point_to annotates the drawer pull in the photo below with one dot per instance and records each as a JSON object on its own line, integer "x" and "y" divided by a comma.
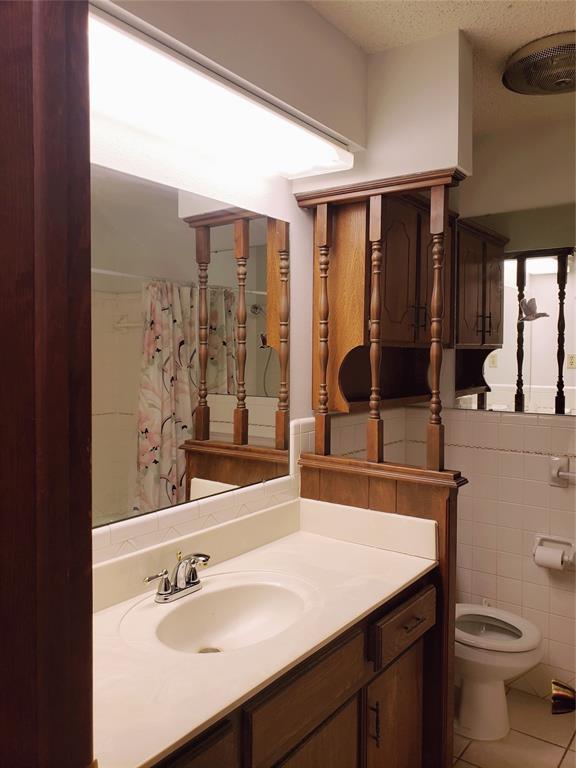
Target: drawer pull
{"x": 413, "y": 624}
{"x": 376, "y": 736}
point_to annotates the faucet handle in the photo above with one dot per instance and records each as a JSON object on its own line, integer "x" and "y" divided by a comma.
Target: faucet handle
{"x": 165, "y": 587}
{"x": 196, "y": 559}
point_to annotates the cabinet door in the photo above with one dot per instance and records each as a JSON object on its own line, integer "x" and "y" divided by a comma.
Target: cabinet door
{"x": 470, "y": 295}
{"x": 399, "y": 251}
{"x": 426, "y": 280}
{"x": 394, "y": 714}
{"x": 218, "y": 749}
{"x": 494, "y": 326}
{"x": 334, "y": 745}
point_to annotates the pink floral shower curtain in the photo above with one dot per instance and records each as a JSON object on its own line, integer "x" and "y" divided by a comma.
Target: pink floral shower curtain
{"x": 168, "y": 394}
{"x": 221, "y": 373}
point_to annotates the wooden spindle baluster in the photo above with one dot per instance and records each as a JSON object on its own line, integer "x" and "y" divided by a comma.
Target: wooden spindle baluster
{"x": 282, "y": 414}
{"x": 241, "y": 252}
{"x": 560, "y": 400}
{"x": 202, "y": 415}
{"x": 438, "y": 226}
{"x": 520, "y": 285}
{"x": 375, "y": 434}
{"x": 322, "y": 419}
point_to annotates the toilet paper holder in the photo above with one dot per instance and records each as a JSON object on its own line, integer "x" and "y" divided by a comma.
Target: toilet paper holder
{"x": 556, "y": 542}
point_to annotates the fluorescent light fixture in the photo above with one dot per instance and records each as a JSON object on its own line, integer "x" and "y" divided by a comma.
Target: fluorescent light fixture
{"x": 154, "y": 115}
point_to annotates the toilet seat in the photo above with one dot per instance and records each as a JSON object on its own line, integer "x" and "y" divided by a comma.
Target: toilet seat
{"x": 492, "y": 629}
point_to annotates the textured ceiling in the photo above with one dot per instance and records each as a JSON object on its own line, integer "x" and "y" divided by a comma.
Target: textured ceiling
{"x": 495, "y": 28}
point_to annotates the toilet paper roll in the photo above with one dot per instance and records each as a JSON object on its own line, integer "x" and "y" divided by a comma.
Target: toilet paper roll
{"x": 549, "y": 557}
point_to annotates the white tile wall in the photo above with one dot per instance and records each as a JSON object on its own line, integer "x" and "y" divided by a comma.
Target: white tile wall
{"x": 507, "y": 502}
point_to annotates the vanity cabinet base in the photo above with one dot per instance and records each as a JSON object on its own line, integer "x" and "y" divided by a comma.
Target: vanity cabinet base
{"x": 358, "y": 703}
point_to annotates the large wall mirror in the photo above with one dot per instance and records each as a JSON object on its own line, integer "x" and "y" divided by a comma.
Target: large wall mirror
{"x": 189, "y": 347}
{"x": 533, "y": 367}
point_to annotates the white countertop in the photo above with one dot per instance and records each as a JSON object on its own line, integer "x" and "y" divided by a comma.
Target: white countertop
{"x": 149, "y": 699}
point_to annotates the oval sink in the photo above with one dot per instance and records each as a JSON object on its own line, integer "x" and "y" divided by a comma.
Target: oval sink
{"x": 232, "y": 611}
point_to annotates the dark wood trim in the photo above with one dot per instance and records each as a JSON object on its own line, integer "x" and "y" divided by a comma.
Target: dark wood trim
{"x": 385, "y": 470}
{"x": 323, "y": 238}
{"x": 450, "y": 177}
{"x": 241, "y": 254}
{"x": 438, "y": 228}
{"x": 221, "y": 217}
{"x": 561, "y": 278}
{"x": 484, "y": 232}
{"x": 45, "y": 517}
{"x": 520, "y": 286}
{"x": 534, "y": 253}
{"x": 375, "y": 427}
{"x": 219, "y": 447}
{"x": 283, "y": 412}
{"x": 202, "y": 413}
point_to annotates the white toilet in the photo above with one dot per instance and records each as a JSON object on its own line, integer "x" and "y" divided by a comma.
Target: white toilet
{"x": 491, "y": 646}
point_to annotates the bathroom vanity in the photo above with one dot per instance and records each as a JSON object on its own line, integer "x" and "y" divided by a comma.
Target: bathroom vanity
{"x": 358, "y": 702}
{"x": 310, "y": 650}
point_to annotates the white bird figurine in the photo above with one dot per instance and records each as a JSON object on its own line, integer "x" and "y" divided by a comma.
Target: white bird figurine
{"x": 529, "y": 311}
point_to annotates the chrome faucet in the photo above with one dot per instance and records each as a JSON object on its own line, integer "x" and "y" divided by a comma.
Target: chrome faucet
{"x": 184, "y": 579}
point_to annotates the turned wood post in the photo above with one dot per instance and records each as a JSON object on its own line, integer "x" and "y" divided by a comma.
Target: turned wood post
{"x": 520, "y": 285}
{"x": 438, "y": 226}
{"x": 322, "y": 419}
{"x": 241, "y": 252}
{"x": 202, "y": 414}
{"x": 375, "y": 434}
{"x": 560, "y": 400}
{"x": 283, "y": 414}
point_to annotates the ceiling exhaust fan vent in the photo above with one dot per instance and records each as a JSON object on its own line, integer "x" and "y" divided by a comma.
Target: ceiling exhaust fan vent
{"x": 544, "y": 67}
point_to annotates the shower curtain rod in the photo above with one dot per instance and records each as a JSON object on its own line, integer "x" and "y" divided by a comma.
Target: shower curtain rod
{"x": 112, "y": 273}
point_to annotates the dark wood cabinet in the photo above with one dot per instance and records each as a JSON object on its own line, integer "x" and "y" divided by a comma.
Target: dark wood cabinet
{"x": 356, "y": 704}
{"x": 394, "y": 723}
{"x": 336, "y": 744}
{"x": 480, "y": 287}
{"x": 400, "y": 264}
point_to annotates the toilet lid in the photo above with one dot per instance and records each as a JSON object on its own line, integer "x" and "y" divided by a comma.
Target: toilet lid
{"x": 494, "y": 630}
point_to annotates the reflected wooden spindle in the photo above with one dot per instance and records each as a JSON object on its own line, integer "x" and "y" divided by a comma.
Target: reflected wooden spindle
{"x": 241, "y": 252}
{"x": 520, "y": 285}
{"x": 438, "y": 225}
{"x": 282, "y": 414}
{"x": 560, "y": 399}
{"x": 202, "y": 414}
{"x": 322, "y": 418}
{"x": 375, "y": 433}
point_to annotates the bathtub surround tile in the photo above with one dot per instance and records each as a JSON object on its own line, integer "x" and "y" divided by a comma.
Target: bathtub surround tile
{"x": 533, "y": 716}
{"x": 517, "y": 750}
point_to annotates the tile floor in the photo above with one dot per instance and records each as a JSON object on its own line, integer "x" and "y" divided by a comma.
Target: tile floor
{"x": 537, "y": 739}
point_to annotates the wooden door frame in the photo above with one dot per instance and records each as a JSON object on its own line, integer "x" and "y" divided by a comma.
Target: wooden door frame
{"x": 45, "y": 519}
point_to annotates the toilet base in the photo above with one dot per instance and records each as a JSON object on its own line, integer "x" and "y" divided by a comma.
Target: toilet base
{"x": 483, "y": 711}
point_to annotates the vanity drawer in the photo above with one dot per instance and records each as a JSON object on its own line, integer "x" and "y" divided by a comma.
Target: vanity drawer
{"x": 280, "y": 721}
{"x": 397, "y": 631}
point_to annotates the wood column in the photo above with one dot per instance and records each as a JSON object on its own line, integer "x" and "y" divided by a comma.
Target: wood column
{"x": 202, "y": 414}
{"x": 283, "y": 413}
{"x": 438, "y": 226}
{"x": 560, "y": 400}
{"x": 323, "y": 239}
{"x": 241, "y": 252}
{"x": 520, "y": 285}
{"x": 45, "y": 513}
{"x": 375, "y": 434}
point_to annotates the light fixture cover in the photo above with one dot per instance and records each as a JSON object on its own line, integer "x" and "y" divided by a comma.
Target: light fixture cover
{"x": 544, "y": 67}
{"x": 155, "y": 115}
